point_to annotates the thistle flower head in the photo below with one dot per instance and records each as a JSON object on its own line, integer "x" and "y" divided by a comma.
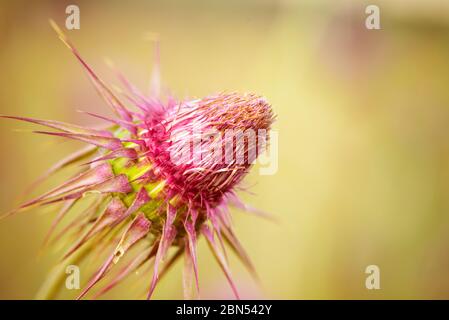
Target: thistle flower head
{"x": 200, "y": 149}
{"x": 161, "y": 176}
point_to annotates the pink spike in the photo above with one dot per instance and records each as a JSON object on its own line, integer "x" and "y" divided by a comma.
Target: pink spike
{"x": 119, "y": 153}
{"x": 74, "y": 157}
{"x": 213, "y": 217}
{"x": 137, "y": 229}
{"x": 167, "y": 237}
{"x": 226, "y": 215}
{"x": 219, "y": 257}
{"x": 131, "y": 88}
{"x": 236, "y": 246}
{"x": 125, "y": 124}
{"x": 134, "y": 265}
{"x": 234, "y": 200}
{"x": 113, "y": 214}
{"x": 87, "y": 178}
{"x": 188, "y": 271}
{"x": 98, "y": 276}
{"x": 141, "y": 198}
{"x": 141, "y": 105}
{"x": 103, "y": 142}
{"x": 83, "y": 218}
{"x": 171, "y": 261}
{"x": 193, "y": 215}
{"x": 118, "y": 184}
{"x": 102, "y": 89}
{"x": 191, "y": 239}
{"x": 66, "y": 127}
{"x": 147, "y": 104}
{"x": 61, "y": 214}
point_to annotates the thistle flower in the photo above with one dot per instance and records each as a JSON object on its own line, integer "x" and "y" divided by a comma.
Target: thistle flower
{"x": 161, "y": 177}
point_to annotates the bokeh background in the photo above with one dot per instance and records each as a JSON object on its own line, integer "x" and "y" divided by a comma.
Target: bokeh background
{"x": 363, "y": 120}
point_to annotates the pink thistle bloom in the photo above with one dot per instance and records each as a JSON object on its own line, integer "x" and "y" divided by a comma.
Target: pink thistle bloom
{"x": 162, "y": 176}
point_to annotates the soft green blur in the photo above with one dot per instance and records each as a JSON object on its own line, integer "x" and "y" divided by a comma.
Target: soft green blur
{"x": 363, "y": 118}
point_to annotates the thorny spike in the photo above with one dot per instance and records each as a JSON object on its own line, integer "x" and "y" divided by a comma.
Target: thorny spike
{"x": 219, "y": 257}
{"x": 103, "y": 90}
{"x": 136, "y": 231}
{"x": 167, "y": 237}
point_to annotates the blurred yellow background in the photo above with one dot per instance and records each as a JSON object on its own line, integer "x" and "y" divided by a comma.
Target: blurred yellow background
{"x": 363, "y": 118}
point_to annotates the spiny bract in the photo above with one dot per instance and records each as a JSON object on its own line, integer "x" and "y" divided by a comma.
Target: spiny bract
{"x": 141, "y": 194}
